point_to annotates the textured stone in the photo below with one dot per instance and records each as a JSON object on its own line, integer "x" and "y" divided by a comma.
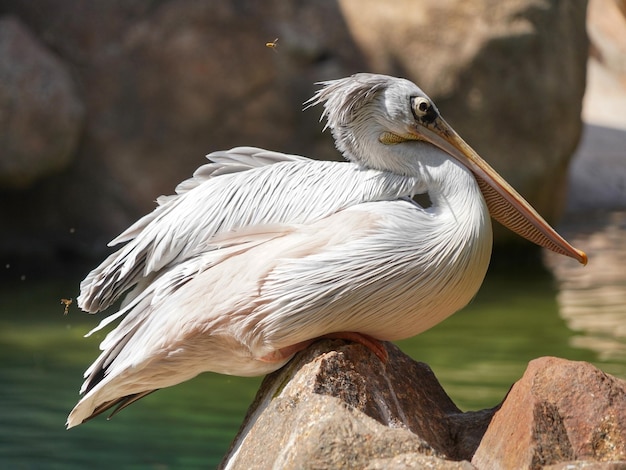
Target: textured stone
{"x": 40, "y": 111}
{"x": 587, "y": 465}
{"x": 510, "y": 78}
{"x": 558, "y": 411}
{"x": 337, "y": 406}
{"x": 415, "y": 461}
{"x": 167, "y": 82}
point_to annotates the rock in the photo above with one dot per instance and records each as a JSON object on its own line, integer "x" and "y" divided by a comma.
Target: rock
{"x": 559, "y": 411}
{"x": 510, "y": 80}
{"x": 337, "y": 406}
{"x": 607, "y": 19}
{"x": 587, "y": 465}
{"x": 40, "y": 110}
{"x": 598, "y": 169}
{"x": 416, "y": 461}
{"x": 167, "y": 82}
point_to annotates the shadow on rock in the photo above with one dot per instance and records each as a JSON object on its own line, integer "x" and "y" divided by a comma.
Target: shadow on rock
{"x": 337, "y": 406}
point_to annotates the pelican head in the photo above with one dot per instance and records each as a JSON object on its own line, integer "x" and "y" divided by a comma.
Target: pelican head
{"x": 368, "y": 113}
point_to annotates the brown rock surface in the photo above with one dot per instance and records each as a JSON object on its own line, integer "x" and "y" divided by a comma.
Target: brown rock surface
{"x": 587, "y": 465}
{"x": 167, "y": 82}
{"x": 509, "y": 76}
{"x": 598, "y": 171}
{"x": 337, "y": 406}
{"x": 559, "y": 411}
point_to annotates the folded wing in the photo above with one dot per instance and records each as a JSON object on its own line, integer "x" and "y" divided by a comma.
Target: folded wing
{"x": 242, "y": 188}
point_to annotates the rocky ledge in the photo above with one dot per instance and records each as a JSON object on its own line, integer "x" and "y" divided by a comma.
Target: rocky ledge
{"x": 337, "y": 406}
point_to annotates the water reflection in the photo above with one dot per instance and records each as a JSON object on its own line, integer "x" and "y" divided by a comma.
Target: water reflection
{"x": 476, "y": 354}
{"x": 593, "y": 300}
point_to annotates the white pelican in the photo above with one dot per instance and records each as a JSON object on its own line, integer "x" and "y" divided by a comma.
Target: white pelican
{"x": 260, "y": 252}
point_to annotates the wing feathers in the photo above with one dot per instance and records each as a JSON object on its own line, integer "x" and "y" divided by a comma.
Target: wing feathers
{"x": 246, "y": 198}
{"x": 225, "y": 162}
{"x": 277, "y": 188}
{"x": 121, "y": 403}
{"x": 150, "y": 248}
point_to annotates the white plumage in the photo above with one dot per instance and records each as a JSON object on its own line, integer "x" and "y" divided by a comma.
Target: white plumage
{"x": 261, "y": 252}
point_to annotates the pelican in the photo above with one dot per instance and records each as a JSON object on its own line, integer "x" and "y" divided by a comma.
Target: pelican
{"x": 260, "y": 252}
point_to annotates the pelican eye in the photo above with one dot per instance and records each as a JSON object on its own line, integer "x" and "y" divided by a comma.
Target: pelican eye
{"x": 423, "y": 109}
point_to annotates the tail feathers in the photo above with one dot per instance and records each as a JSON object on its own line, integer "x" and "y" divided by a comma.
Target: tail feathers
{"x": 75, "y": 418}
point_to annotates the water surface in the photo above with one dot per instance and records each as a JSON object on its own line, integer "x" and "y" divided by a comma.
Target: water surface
{"x": 477, "y": 354}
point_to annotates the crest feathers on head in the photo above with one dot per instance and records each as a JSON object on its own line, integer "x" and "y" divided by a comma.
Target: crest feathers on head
{"x": 342, "y": 98}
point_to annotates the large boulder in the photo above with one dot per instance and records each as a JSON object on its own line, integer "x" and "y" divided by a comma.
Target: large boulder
{"x": 560, "y": 411}
{"x": 165, "y": 83}
{"x": 598, "y": 169}
{"x": 509, "y": 76}
{"x": 40, "y": 110}
{"x": 336, "y": 405}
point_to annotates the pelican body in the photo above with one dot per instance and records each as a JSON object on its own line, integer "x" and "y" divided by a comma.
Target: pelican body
{"x": 261, "y": 252}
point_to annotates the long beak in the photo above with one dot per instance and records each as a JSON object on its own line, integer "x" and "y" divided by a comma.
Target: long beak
{"x": 504, "y": 203}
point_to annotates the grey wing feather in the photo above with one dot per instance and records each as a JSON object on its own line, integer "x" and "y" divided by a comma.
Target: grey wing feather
{"x": 232, "y": 161}
{"x": 266, "y": 188}
{"x": 122, "y": 269}
{"x": 222, "y": 163}
{"x": 252, "y": 157}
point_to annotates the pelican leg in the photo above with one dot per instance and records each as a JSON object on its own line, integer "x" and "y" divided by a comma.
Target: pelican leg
{"x": 374, "y": 345}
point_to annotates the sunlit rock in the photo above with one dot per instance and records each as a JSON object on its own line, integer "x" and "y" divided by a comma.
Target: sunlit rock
{"x": 510, "y": 76}
{"x": 597, "y": 176}
{"x": 165, "y": 83}
{"x": 593, "y": 300}
{"x": 337, "y": 406}
{"x": 559, "y": 411}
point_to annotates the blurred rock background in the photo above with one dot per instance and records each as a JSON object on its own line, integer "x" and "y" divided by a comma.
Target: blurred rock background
{"x": 593, "y": 300}
{"x": 598, "y": 171}
{"x": 105, "y": 105}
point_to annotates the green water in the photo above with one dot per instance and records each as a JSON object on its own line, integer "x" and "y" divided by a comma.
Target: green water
{"x": 477, "y": 354}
